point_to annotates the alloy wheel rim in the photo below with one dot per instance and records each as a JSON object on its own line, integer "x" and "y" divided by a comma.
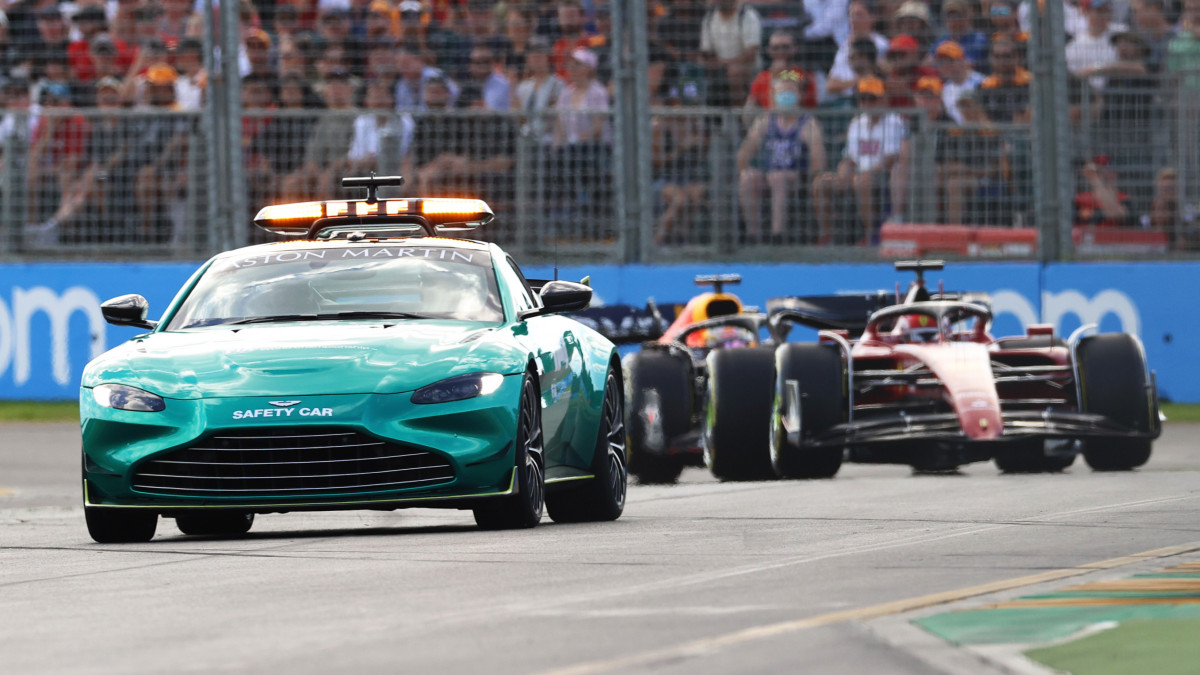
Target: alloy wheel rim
{"x": 614, "y": 415}
{"x": 532, "y": 430}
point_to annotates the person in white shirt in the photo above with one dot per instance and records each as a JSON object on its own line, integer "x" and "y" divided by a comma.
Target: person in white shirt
{"x": 842, "y": 77}
{"x": 371, "y": 128}
{"x": 957, "y": 74}
{"x": 539, "y": 91}
{"x": 873, "y": 144}
{"x": 1092, "y": 49}
{"x": 730, "y": 41}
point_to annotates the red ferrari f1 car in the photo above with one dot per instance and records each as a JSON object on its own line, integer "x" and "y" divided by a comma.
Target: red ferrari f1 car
{"x": 927, "y": 385}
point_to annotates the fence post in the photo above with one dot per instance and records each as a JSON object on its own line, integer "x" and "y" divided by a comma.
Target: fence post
{"x": 1053, "y": 178}
{"x": 231, "y": 81}
{"x": 631, "y": 147}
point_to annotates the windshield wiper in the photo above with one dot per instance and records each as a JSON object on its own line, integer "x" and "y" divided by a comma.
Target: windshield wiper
{"x": 328, "y": 317}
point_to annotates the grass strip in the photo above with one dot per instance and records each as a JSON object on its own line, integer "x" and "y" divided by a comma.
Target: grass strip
{"x": 1159, "y": 646}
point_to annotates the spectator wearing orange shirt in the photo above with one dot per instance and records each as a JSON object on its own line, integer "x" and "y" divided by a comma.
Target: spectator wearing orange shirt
{"x": 781, "y": 47}
{"x": 574, "y": 36}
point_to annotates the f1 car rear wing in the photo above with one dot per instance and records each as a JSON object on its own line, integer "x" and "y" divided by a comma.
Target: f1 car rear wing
{"x": 828, "y": 312}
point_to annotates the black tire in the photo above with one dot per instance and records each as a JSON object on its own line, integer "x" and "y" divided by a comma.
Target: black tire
{"x": 1114, "y": 383}
{"x": 120, "y": 526}
{"x": 820, "y": 377}
{"x": 737, "y": 425}
{"x": 524, "y": 508}
{"x": 660, "y": 395}
{"x": 1030, "y": 457}
{"x": 216, "y": 524}
{"x": 603, "y": 497}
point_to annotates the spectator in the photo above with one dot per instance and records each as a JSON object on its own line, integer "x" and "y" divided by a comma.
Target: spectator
{"x": 1164, "y": 211}
{"x": 1151, "y": 23}
{"x": 929, "y": 131}
{"x": 286, "y": 139}
{"x": 842, "y": 77}
{"x": 574, "y": 35}
{"x": 514, "y": 45}
{"x": 1091, "y": 51}
{"x": 1130, "y": 116}
{"x": 257, "y": 46}
{"x": 974, "y": 167}
{"x": 258, "y": 97}
{"x": 681, "y": 161}
{"x": 286, "y": 24}
{"x": 91, "y": 23}
{"x": 152, "y": 53}
{"x": 382, "y": 21}
{"x": 582, "y": 131}
{"x": 1104, "y": 204}
{"x": 1183, "y": 51}
{"x": 958, "y": 77}
{"x": 173, "y": 24}
{"x": 157, "y": 154}
{"x": 55, "y": 70}
{"x": 333, "y": 25}
{"x": 145, "y": 24}
{"x": 782, "y": 151}
{"x": 15, "y": 95}
{"x": 414, "y": 77}
{"x": 1005, "y": 94}
{"x": 959, "y": 19}
{"x": 873, "y": 144}
{"x": 461, "y": 155}
{"x": 376, "y": 129}
{"x": 864, "y": 62}
{"x": 485, "y": 86}
{"x": 1002, "y": 14}
{"x": 782, "y": 49}
{"x": 913, "y": 19}
{"x": 189, "y": 62}
{"x": 827, "y": 30}
{"x": 294, "y": 62}
{"x": 478, "y": 29}
{"x": 539, "y": 91}
{"x": 730, "y": 39}
{"x": 325, "y": 157}
{"x": 902, "y": 71}
{"x": 51, "y": 39}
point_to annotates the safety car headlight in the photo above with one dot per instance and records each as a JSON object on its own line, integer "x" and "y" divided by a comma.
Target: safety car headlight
{"x": 459, "y": 388}
{"x": 124, "y": 397}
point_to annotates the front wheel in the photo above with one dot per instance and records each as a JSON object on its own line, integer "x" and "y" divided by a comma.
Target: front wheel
{"x": 524, "y": 508}
{"x": 737, "y": 423}
{"x": 1114, "y": 383}
{"x": 602, "y": 497}
{"x": 215, "y": 524}
{"x": 120, "y": 526}
{"x": 660, "y": 408}
{"x": 810, "y": 384}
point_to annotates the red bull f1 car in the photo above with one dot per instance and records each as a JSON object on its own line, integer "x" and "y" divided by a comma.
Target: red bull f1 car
{"x": 926, "y": 384}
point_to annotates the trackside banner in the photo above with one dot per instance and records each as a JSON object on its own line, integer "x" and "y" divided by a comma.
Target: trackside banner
{"x": 50, "y": 322}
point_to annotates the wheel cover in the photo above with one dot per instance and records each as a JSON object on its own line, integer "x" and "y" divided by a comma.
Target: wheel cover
{"x": 531, "y": 431}
{"x": 614, "y": 416}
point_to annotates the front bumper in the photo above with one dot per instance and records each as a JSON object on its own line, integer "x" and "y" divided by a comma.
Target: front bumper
{"x": 475, "y": 437}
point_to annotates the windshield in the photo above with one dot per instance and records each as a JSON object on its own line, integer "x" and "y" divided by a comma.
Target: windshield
{"x": 345, "y": 282}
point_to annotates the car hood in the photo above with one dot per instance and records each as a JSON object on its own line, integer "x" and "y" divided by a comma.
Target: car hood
{"x": 965, "y": 370}
{"x": 307, "y": 358}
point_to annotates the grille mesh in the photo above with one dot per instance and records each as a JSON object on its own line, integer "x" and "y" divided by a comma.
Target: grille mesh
{"x": 276, "y": 462}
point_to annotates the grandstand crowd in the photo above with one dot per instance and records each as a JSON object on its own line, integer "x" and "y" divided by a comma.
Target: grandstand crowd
{"x": 837, "y": 100}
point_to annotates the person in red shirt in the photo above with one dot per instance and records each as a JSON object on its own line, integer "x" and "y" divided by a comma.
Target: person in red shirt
{"x": 782, "y": 48}
{"x": 92, "y": 23}
{"x": 903, "y": 70}
{"x": 57, "y": 153}
{"x": 574, "y": 35}
{"x": 1104, "y": 205}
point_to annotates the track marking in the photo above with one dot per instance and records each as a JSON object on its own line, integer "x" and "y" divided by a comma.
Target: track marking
{"x": 1037, "y": 603}
{"x": 709, "y": 645}
{"x": 1144, "y": 585}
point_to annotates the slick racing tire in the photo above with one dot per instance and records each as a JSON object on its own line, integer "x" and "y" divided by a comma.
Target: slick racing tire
{"x": 1030, "y": 457}
{"x": 120, "y": 526}
{"x": 660, "y": 395}
{"x": 1113, "y": 382}
{"x": 602, "y": 497}
{"x": 216, "y": 524}
{"x": 815, "y": 373}
{"x": 737, "y": 425}
{"x": 523, "y": 509}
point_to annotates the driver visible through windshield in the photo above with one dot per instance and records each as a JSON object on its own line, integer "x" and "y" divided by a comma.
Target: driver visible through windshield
{"x": 346, "y": 282}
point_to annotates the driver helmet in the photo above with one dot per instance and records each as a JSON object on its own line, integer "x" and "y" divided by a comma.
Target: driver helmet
{"x": 918, "y": 328}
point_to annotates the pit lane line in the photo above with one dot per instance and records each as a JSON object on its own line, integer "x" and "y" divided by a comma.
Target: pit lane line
{"x": 705, "y": 646}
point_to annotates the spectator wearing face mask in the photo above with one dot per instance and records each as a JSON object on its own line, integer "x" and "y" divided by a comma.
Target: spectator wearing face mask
{"x": 782, "y": 49}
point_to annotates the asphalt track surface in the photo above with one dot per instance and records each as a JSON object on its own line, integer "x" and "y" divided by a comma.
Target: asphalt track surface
{"x": 702, "y": 577}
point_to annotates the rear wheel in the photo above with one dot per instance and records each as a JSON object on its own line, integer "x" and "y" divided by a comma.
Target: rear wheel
{"x": 737, "y": 426}
{"x": 660, "y": 408}
{"x": 602, "y": 497}
{"x": 215, "y": 524}
{"x": 120, "y": 526}
{"x": 809, "y": 386}
{"x": 524, "y": 508}
{"x": 1113, "y": 381}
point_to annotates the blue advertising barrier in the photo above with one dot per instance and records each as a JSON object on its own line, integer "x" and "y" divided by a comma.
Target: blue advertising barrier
{"x": 50, "y": 322}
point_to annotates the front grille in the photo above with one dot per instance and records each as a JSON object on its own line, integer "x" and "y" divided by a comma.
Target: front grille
{"x": 290, "y": 461}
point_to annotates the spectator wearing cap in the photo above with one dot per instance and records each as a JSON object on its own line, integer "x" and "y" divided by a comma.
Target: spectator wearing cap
{"x": 1090, "y": 52}
{"x": 682, "y": 169}
{"x": 874, "y": 141}
{"x": 1183, "y": 51}
{"x": 902, "y": 70}
{"x": 582, "y": 132}
{"x": 1103, "y": 203}
{"x": 1150, "y": 21}
{"x": 781, "y": 47}
{"x": 106, "y": 59}
{"x": 1002, "y": 15}
{"x": 574, "y": 35}
{"x": 842, "y": 76}
{"x": 485, "y": 85}
{"x": 783, "y": 150}
{"x": 286, "y": 23}
{"x": 325, "y": 158}
{"x": 730, "y": 40}
{"x": 56, "y": 154}
{"x": 256, "y": 45}
{"x": 1004, "y": 95}
{"x": 912, "y": 18}
{"x": 957, "y": 76}
{"x": 539, "y": 91}
{"x": 414, "y": 76}
{"x": 150, "y": 55}
{"x": 958, "y": 17}
{"x": 333, "y": 25}
{"x": 374, "y": 19}
{"x": 158, "y": 152}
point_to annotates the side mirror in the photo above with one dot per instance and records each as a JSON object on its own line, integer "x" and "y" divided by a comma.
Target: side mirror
{"x": 127, "y": 310}
{"x": 564, "y": 296}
